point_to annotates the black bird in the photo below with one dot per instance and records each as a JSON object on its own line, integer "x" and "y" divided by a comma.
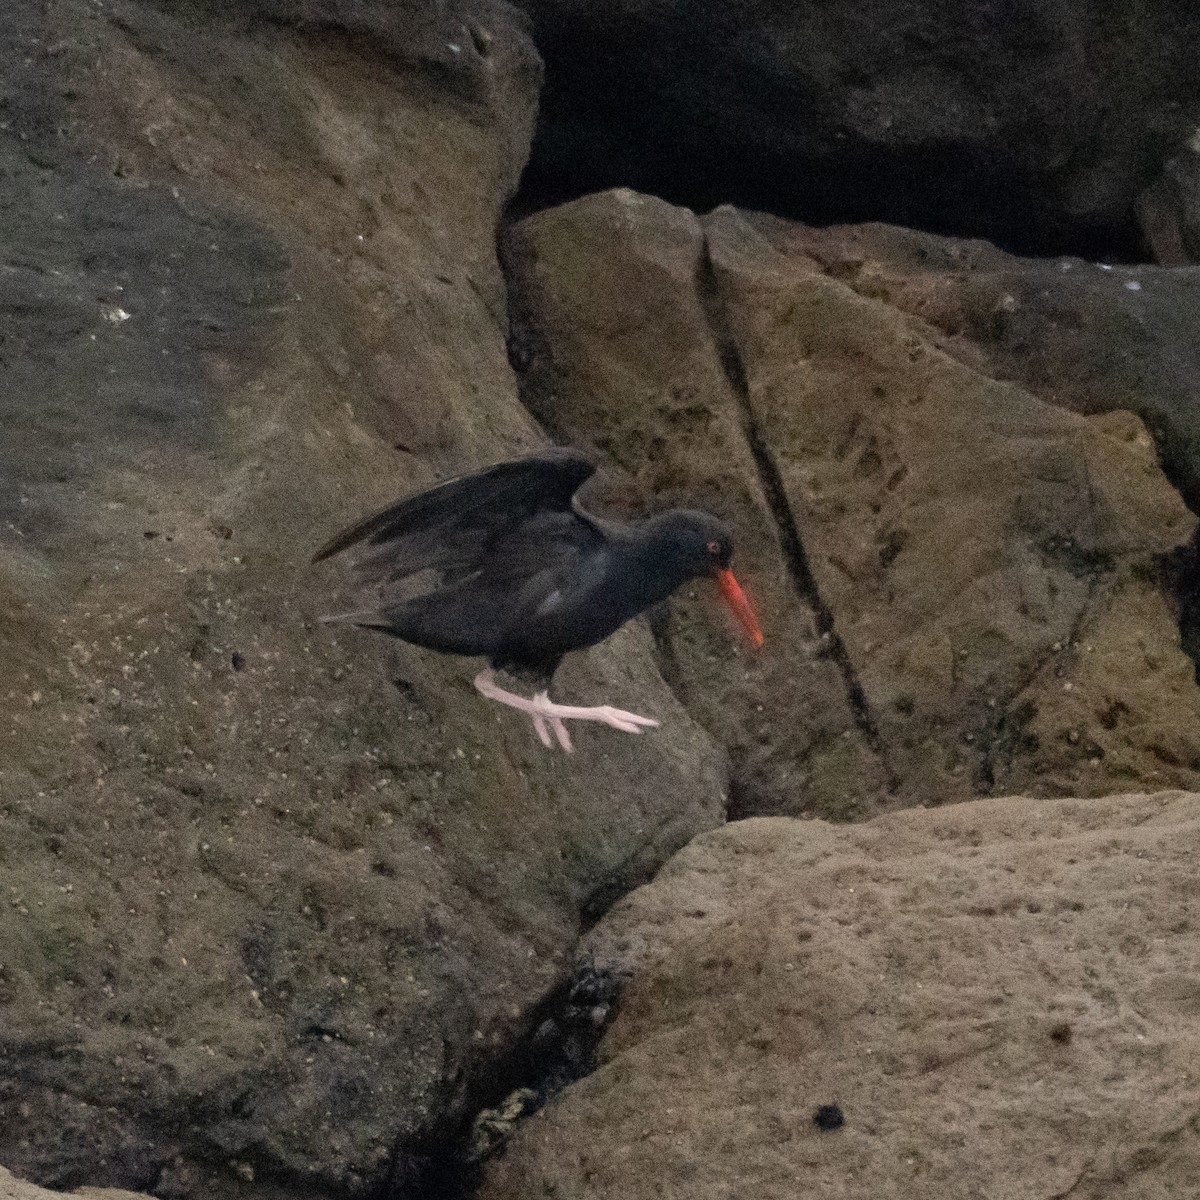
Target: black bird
{"x": 524, "y": 575}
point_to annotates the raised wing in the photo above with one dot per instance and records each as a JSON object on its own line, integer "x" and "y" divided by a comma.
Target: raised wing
{"x": 452, "y": 527}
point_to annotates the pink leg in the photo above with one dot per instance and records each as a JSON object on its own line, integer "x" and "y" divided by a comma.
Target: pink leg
{"x": 549, "y": 716}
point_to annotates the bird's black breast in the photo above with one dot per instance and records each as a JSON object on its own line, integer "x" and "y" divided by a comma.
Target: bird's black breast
{"x": 576, "y": 607}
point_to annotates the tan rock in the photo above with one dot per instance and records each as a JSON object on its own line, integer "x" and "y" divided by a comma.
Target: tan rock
{"x": 12, "y": 1188}
{"x": 955, "y": 570}
{"x": 618, "y": 352}
{"x": 1000, "y": 996}
{"x": 976, "y": 544}
{"x": 272, "y": 894}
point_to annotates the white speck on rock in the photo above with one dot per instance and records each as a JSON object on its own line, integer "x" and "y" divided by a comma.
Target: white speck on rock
{"x": 1133, "y": 285}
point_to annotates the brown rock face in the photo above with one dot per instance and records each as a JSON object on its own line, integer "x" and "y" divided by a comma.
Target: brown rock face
{"x": 956, "y": 573}
{"x": 12, "y": 1188}
{"x": 272, "y": 895}
{"x": 612, "y": 304}
{"x": 1093, "y": 337}
{"x": 1033, "y": 123}
{"x": 280, "y": 903}
{"x": 999, "y": 997}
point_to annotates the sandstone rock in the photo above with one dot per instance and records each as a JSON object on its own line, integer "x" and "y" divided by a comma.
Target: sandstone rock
{"x": 612, "y": 329}
{"x": 982, "y": 566}
{"x": 12, "y": 1188}
{"x": 1032, "y": 123}
{"x": 272, "y": 895}
{"x": 991, "y": 559}
{"x": 999, "y": 996}
{"x": 1093, "y": 337}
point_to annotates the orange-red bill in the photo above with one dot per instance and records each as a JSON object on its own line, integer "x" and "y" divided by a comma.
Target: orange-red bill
{"x": 741, "y": 608}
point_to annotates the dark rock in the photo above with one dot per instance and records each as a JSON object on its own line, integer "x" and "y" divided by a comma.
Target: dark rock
{"x": 828, "y": 1117}
{"x": 1035, "y": 124}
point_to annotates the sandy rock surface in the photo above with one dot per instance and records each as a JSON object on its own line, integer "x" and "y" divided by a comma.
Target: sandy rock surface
{"x": 1001, "y": 998}
{"x": 964, "y": 580}
{"x": 12, "y": 1188}
{"x": 1090, "y": 336}
{"x": 273, "y": 894}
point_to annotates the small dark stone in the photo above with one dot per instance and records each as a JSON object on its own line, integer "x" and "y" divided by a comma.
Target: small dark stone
{"x": 828, "y": 1117}
{"x": 1062, "y": 1033}
{"x": 237, "y": 660}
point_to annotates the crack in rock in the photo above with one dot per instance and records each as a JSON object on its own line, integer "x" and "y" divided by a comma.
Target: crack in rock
{"x": 791, "y": 542}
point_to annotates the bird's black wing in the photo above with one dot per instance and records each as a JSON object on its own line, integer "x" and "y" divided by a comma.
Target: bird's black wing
{"x": 452, "y": 527}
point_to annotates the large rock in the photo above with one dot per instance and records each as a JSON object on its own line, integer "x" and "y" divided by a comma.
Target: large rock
{"x": 992, "y": 559}
{"x": 12, "y": 1188}
{"x": 1033, "y": 123}
{"x": 962, "y": 578}
{"x": 1091, "y": 336}
{"x": 1169, "y": 209}
{"x": 619, "y": 346}
{"x": 273, "y": 896}
{"x": 1000, "y": 997}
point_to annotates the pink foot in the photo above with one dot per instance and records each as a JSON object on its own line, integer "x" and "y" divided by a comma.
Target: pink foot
{"x": 549, "y": 717}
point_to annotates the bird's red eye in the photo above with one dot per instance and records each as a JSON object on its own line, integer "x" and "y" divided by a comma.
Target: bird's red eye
{"x": 714, "y": 547}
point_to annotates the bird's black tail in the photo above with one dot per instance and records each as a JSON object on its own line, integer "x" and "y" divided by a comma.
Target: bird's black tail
{"x": 459, "y": 619}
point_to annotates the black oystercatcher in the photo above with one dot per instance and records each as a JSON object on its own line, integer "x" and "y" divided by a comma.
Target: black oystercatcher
{"x": 525, "y": 576}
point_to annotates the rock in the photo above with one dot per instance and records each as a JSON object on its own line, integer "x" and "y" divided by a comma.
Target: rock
{"x": 613, "y": 329}
{"x": 998, "y": 996}
{"x": 962, "y": 579}
{"x": 1093, "y": 337}
{"x": 1169, "y": 209}
{"x": 1033, "y": 124}
{"x": 12, "y": 1188}
{"x": 274, "y": 895}
{"x": 991, "y": 560}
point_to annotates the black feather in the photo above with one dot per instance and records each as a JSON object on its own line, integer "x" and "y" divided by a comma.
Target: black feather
{"x": 524, "y": 576}
{"x": 451, "y": 527}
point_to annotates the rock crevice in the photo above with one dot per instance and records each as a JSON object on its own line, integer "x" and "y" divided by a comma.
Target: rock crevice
{"x": 791, "y": 541}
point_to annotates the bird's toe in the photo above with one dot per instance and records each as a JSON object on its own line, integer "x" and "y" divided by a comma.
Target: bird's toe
{"x": 561, "y": 732}
{"x": 539, "y": 724}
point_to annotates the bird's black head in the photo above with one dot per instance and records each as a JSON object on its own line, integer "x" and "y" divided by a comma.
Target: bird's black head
{"x": 695, "y": 544}
{"x": 699, "y": 544}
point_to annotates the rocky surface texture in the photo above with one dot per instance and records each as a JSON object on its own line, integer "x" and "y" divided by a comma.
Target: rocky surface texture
{"x": 1169, "y": 209}
{"x": 1000, "y": 998}
{"x": 12, "y": 1188}
{"x": 273, "y": 895}
{"x": 1035, "y": 124}
{"x": 288, "y": 910}
{"x": 964, "y": 579}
